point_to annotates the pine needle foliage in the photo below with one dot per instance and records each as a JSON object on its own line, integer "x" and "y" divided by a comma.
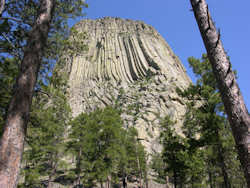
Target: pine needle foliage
{"x": 46, "y": 133}
{"x": 8, "y": 72}
{"x": 103, "y": 150}
{"x": 206, "y": 127}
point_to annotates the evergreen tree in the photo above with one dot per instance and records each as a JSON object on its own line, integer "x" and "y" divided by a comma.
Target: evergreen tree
{"x": 95, "y": 141}
{"x": 103, "y": 150}
{"x": 132, "y": 161}
{"x": 206, "y": 127}
{"x": 44, "y": 152}
{"x": 205, "y": 154}
{"x": 179, "y": 162}
{"x": 232, "y": 98}
{"x": 28, "y": 26}
{"x": 8, "y": 72}
{"x": 161, "y": 174}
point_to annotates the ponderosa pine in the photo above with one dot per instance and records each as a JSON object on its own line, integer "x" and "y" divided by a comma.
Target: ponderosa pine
{"x": 206, "y": 127}
{"x": 232, "y": 98}
{"x": 12, "y": 141}
{"x": 26, "y": 30}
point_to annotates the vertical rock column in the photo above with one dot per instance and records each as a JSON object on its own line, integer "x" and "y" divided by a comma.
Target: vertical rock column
{"x": 130, "y": 63}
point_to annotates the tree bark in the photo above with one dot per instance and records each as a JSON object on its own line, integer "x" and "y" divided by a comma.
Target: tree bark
{"x": 2, "y": 6}
{"x": 101, "y": 184}
{"x": 138, "y": 164}
{"x": 78, "y": 166}
{"x": 124, "y": 181}
{"x": 167, "y": 181}
{"x": 12, "y": 141}
{"x": 210, "y": 179}
{"x": 223, "y": 170}
{"x": 108, "y": 182}
{"x": 222, "y": 164}
{"x": 175, "y": 179}
{"x": 146, "y": 179}
{"x": 231, "y": 96}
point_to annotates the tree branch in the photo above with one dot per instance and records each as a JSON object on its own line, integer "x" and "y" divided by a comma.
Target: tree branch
{"x": 13, "y": 46}
{"x": 10, "y": 18}
{"x": 43, "y": 92}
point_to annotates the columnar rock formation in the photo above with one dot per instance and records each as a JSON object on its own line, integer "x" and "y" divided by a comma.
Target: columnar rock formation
{"x": 130, "y": 65}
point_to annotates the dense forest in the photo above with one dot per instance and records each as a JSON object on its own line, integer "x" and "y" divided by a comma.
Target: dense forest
{"x": 42, "y": 143}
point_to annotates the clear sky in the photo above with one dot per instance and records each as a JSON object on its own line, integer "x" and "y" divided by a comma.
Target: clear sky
{"x": 175, "y": 22}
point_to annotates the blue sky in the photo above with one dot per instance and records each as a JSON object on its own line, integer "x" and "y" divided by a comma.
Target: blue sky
{"x": 175, "y": 22}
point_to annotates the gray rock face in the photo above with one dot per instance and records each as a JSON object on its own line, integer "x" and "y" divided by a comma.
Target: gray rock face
{"x": 128, "y": 64}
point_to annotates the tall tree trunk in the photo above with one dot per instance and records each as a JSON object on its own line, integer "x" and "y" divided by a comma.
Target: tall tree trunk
{"x": 2, "y": 6}
{"x": 79, "y": 167}
{"x": 231, "y": 96}
{"x": 210, "y": 179}
{"x": 124, "y": 181}
{"x": 222, "y": 164}
{"x": 12, "y": 141}
{"x": 224, "y": 171}
{"x": 49, "y": 182}
{"x": 167, "y": 181}
{"x": 138, "y": 164}
{"x": 221, "y": 159}
{"x": 175, "y": 179}
{"x": 108, "y": 182}
{"x": 146, "y": 179}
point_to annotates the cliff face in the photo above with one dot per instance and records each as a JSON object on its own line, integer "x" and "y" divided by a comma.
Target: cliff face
{"x": 128, "y": 64}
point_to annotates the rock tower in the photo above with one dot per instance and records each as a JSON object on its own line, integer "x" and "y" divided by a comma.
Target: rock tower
{"x": 130, "y": 65}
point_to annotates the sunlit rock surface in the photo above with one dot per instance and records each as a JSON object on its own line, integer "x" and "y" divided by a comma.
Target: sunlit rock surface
{"x": 128, "y": 64}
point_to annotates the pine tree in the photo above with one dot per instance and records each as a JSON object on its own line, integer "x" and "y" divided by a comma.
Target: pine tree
{"x": 174, "y": 153}
{"x": 8, "y": 72}
{"x": 206, "y": 126}
{"x": 45, "y": 148}
{"x": 232, "y": 98}
{"x": 204, "y": 153}
{"x": 133, "y": 160}
{"x": 30, "y": 24}
{"x": 103, "y": 150}
{"x": 95, "y": 142}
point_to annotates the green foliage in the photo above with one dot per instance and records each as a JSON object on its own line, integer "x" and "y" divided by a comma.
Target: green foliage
{"x": 159, "y": 167}
{"x": 76, "y": 44}
{"x": 174, "y": 149}
{"x": 96, "y": 135}
{"x": 102, "y": 148}
{"x": 8, "y": 71}
{"x": 14, "y": 31}
{"x": 206, "y": 127}
{"x": 133, "y": 160}
{"x": 176, "y": 160}
{"x": 45, "y": 135}
{"x": 203, "y": 154}
{"x": 20, "y": 17}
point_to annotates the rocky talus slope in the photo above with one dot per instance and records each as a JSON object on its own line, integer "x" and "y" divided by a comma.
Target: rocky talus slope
{"x": 130, "y": 65}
